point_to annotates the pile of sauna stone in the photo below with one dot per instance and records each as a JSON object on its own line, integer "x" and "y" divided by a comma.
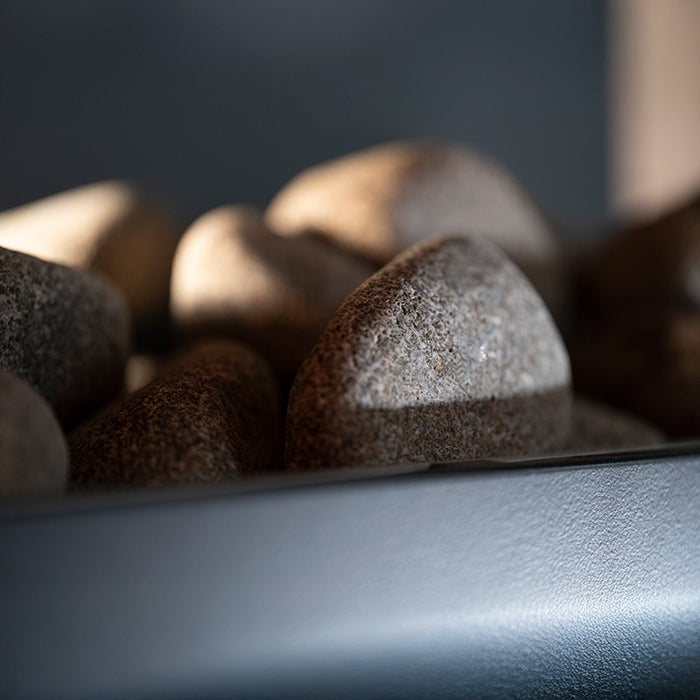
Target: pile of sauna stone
{"x": 400, "y": 305}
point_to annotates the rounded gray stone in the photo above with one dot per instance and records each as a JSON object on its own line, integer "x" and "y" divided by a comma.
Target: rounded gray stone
{"x": 33, "y": 450}
{"x": 110, "y": 227}
{"x": 64, "y": 331}
{"x": 382, "y": 200}
{"x": 233, "y": 277}
{"x": 447, "y": 353}
{"x": 212, "y": 415}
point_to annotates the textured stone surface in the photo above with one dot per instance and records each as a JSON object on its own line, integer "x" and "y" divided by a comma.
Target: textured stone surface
{"x": 657, "y": 262}
{"x": 64, "y": 331}
{"x": 446, "y": 353}
{"x": 232, "y": 277}
{"x": 110, "y": 227}
{"x": 382, "y": 200}
{"x": 647, "y": 362}
{"x": 596, "y": 427}
{"x": 33, "y": 451}
{"x": 213, "y": 415}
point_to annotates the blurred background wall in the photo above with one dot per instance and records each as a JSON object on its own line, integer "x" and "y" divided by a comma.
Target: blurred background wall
{"x": 654, "y": 104}
{"x": 212, "y": 102}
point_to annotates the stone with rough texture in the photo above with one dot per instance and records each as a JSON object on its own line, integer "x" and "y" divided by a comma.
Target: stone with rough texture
{"x": 212, "y": 415}
{"x": 110, "y": 227}
{"x": 647, "y": 362}
{"x": 596, "y": 427}
{"x": 656, "y": 262}
{"x": 233, "y": 277}
{"x": 382, "y": 200}
{"x": 447, "y": 353}
{"x": 64, "y": 331}
{"x": 33, "y": 450}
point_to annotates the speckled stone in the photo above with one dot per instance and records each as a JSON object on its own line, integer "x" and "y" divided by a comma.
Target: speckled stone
{"x": 211, "y": 416}
{"x": 596, "y": 427}
{"x": 379, "y": 201}
{"x": 447, "y": 353}
{"x": 64, "y": 331}
{"x": 111, "y": 227}
{"x": 33, "y": 450}
{"x": 647, "y": 362}
{"x": 233, "y": 277}
{"x": 657, "y": 263}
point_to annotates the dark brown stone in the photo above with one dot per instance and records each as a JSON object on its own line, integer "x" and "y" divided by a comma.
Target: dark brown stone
{"x": 646, "y": 361}
{"x": 653, "y": 263}
{"x": 213, "y": 415}
{"x": 447, "y": 353}
{"x": 64, "y": 331}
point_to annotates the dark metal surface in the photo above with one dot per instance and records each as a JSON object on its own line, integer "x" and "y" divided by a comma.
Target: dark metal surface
{"x": 216, "y": 102}
{"x": 579, "y": 578}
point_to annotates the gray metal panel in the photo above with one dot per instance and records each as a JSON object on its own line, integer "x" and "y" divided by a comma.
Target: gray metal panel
{"x": 214, "y": 102}
{"x": 568, "y": 581}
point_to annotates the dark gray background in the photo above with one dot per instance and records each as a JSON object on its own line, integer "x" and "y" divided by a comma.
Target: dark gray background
{"x": 213, "y": 102}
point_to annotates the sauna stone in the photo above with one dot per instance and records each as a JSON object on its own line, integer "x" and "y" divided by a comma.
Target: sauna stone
{"x": 596, "y": 427}
{"x": 212, "y": 415}
{"x": 33, "y": 450}
{"x": 62, "y": 330}
{"x": 656, "y": 263}
{"x": 233, "y": 277}
{"x": 140, "y": 370}
{"x": 646, "y": 361}
{"x": 380, "y": 201}
{"x": 447, "y": 353}
{"x": 110, "y": 227}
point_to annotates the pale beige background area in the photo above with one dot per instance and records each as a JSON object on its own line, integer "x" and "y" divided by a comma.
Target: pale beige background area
{"x": 655, "y": 99}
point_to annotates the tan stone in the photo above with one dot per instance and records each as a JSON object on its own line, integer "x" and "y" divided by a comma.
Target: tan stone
{"x": 233, "y": 277}
{"x": 110, "y": 227}
{"x": 140, "y": 370}
{"x": 379, "y": 201}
